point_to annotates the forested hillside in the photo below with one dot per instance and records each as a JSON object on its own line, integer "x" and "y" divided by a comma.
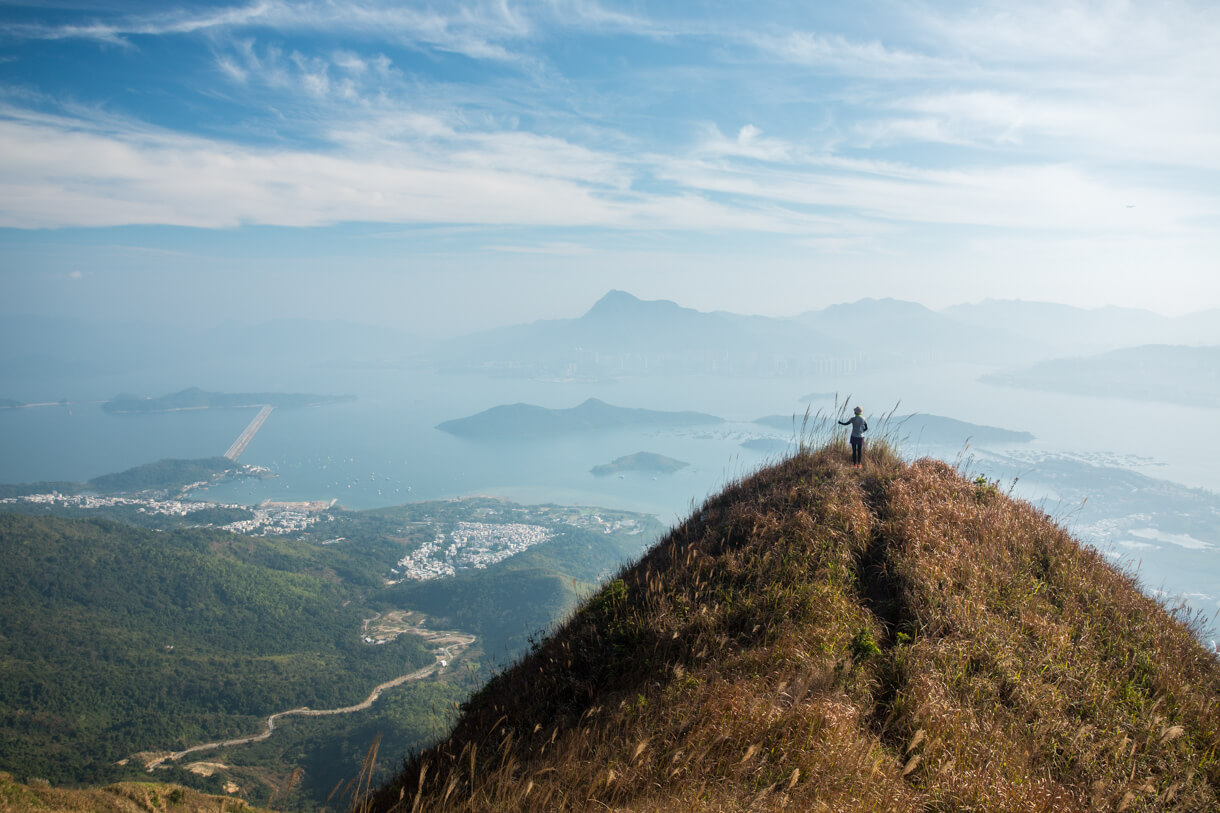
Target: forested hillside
{"x": 116, "y": 640}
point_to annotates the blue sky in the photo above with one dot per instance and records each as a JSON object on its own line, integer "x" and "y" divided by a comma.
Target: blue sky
{"x": 448, "y": 165}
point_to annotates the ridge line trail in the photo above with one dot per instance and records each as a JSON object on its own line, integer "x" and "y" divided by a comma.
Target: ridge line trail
{"x": 452, "y": 645}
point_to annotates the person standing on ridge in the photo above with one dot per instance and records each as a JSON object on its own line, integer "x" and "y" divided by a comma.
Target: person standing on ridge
{"x": 858, "y": 427}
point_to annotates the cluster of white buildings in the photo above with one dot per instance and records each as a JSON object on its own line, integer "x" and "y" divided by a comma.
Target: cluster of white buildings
{"x": 270, "y": 518}
{"x": 279, "y": 518}
{"x": 469, "y": 545}
{"x": 167, "y": 507}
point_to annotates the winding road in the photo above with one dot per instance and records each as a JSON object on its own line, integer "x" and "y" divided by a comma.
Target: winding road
{"x": 455, "y": 643}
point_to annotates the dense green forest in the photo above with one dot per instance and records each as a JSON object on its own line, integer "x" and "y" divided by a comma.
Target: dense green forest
{"x": 115, "y": 640}
{"x": 326, "y": 754}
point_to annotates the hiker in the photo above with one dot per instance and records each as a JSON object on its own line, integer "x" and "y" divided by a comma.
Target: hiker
{"x": 858, "y": 427}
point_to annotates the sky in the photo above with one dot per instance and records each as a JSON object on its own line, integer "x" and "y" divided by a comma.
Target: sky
{"x": 446, "y": 166}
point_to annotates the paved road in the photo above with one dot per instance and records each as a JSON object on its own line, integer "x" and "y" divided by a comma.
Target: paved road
{"x": 457, "y": 643}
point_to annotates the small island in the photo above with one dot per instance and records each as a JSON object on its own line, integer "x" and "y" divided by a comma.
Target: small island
{"x": 640, "y": 461}
{"x": 9, "y": 403}
{"x": 195, "y": 398}
{"x": 766, "y": 445}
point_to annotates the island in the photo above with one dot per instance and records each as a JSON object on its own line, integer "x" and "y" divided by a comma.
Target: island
{"x": 196, "y": 398}
{"x": 784, "y": 423}
{"x": 528, "y": 420}
{"x": 1169, "y": 373}
{"x": 766, "y": 445}
{"x": 640, "y": 461}
{"x": 939, "y": 430}
{"x": 9, "y": 403}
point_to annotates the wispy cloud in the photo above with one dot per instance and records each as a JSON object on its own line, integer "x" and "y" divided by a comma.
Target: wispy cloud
{"x": 476, "y": 29}
{"x": 1040, "y": 116}
{"x": 838, "y": 54}
{"x": 553, "y": 249}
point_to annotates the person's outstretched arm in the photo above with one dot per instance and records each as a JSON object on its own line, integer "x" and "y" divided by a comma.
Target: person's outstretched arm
{"x": 845, "y": 423}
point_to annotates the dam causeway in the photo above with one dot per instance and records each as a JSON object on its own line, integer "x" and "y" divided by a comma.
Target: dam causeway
{"x": 247, "y": 435}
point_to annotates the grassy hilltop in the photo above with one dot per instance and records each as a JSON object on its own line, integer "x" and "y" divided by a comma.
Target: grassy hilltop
{"x": 818, "y": 637}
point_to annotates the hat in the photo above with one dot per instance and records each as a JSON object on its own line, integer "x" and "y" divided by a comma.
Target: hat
{"x": 858, "y": 410}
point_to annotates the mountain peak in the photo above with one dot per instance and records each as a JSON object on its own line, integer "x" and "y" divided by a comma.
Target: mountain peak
{"x": 819, "y": 636}
{"x": 618, "y": 304}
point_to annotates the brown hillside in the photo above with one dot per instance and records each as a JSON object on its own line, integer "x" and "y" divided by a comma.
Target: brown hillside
{"x": 122, "y": 797}
{"x": 818, "y": 637}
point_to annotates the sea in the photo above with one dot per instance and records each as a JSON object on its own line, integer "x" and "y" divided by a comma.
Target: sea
{"x": 383, "y": 448}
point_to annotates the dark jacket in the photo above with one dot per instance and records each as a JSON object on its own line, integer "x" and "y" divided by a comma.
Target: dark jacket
{"x": 858, "y": 426}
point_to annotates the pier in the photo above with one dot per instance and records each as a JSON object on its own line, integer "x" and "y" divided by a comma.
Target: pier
{"x": 247, "y": 435}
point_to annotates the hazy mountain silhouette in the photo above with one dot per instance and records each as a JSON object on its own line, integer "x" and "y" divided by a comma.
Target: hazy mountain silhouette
{"x": 1170, "y": 373}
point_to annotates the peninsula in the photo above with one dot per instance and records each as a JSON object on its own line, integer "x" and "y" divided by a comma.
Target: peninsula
{"x": 196, "y": 398}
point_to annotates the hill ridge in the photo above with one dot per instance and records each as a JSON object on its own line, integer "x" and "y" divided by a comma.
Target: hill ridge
{"x": 819, "y": 637}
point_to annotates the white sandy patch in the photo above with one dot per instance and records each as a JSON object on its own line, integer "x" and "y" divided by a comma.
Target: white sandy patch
{"x": 1181, "y": 540}
{"x": 1131, "y": 544}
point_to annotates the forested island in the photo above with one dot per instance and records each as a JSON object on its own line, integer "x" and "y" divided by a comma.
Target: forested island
{"x": 640, "y": 461}
{"x": 529, "y": 420}
{"x": 171, "y": 474}
{"x": 195, "y": 398}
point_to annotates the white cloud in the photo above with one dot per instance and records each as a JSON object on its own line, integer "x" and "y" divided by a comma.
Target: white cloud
{"x": 749, "y": 143}
{"x": 59, "y": 172}
{"x": 555, "y": 249}
{"x": 838, "y": 54}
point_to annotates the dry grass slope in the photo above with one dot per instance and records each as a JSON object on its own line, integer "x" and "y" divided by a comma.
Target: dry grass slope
{"x": 123, "y": 797}
{"x": 819, "y": 637}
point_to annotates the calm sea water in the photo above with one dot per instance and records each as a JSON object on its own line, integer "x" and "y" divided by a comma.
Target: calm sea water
{"x": 383, "y": 448}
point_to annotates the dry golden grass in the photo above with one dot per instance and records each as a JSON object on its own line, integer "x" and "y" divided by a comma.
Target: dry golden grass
{"x": 123, "y": 797}
{"x": 818, "y": 637}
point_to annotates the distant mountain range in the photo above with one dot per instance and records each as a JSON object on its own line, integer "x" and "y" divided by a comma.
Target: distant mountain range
{"x": 527, "y": 420}
{"x": 620, "y": 335}
{"x": 623, "y": 335}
